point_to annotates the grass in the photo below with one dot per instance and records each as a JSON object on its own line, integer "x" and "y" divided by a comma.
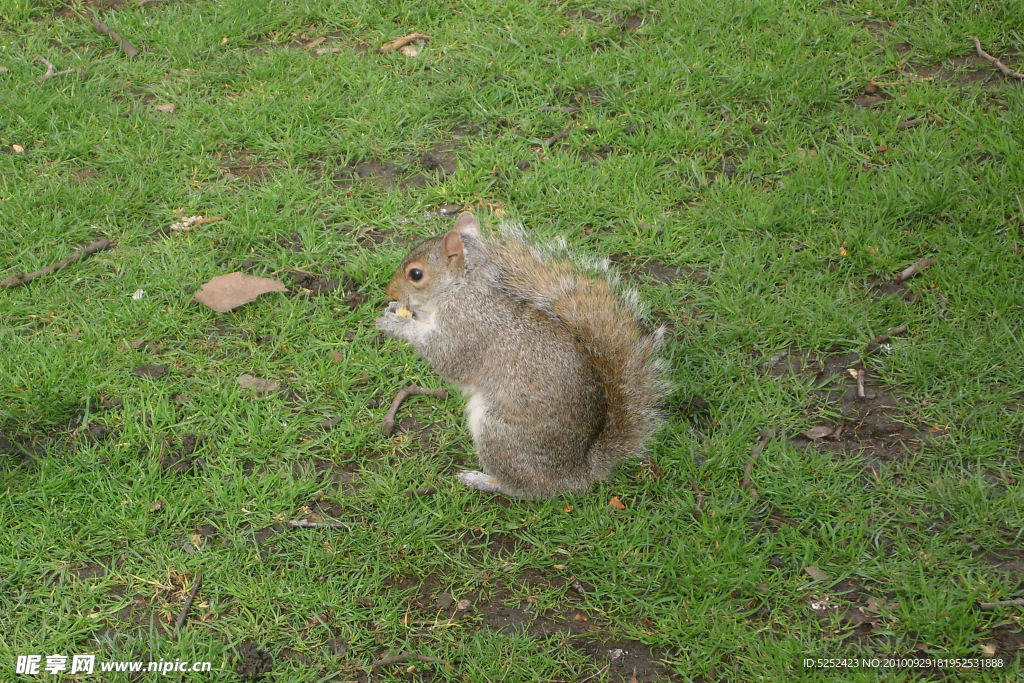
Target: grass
{"x": 724, "y": 145}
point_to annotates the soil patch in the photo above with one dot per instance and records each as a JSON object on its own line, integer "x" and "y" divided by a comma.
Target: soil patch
{"x": 873, "y": 426}
{"x": 881, "y": 287}
{"x": 497, "y": 608}
{"x": 247, "y": 166}
{"x": 659, "y": 272}
{"x": 625, "y": 22}
{"x": 252, "y": 661}
{"x": 69, "y": 10}
{"x": 418, "y": 170}
{"x": 963, "y": 70}
{"x": 315, "y": 285}
{"x": 182, "y": 459}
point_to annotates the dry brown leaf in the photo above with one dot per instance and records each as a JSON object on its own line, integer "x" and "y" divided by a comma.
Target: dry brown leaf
{"x": 616, "y": 503}
{"x": 157, "y": 505}
{"x": 816, "y": 573}
{"x": 409, "y": 50}
{"x": 258, "y": 384}
{"x": 989, "y": 650}
{"x": 819, "y": 432}
{"x": 166, "y": 108}
{"x": 226, "y": 292}
{"x": 18, "y": 149}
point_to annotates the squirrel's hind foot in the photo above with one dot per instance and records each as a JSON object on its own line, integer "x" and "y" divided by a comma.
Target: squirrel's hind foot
{"x": 479, "y": 481}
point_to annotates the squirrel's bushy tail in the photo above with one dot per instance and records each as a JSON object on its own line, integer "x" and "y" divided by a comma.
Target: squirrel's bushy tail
{"x": 608, "y": 324}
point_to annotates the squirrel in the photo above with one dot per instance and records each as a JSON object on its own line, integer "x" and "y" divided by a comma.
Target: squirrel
{"x": 562, "y": 379}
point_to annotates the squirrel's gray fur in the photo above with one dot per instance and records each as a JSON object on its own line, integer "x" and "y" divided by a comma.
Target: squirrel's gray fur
{"x": 563, "y": 382}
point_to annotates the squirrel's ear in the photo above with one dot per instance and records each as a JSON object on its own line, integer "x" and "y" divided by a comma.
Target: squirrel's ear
{"x": 452, "y": 249}
{"x": 466, "y": 224}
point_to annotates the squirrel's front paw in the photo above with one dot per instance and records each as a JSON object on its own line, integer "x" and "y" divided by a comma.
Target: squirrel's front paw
{"x": 396, "y": 317}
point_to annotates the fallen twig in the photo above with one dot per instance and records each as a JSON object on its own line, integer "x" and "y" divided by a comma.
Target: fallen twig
{"x": 903, "y": 125}
{"x": 861, "y": 393}
{"x": 1001, "y": 603}
{"x": 999, "y": 65}
{"x": 22, "y": 278}
{"x": 766, "y": 436}
{"x": 306, "y": 524}
{"x": 915, "y": 269}
{"x": 425, "y": 491}
{"x": 564, "y": 133}
{"x": 698, "y": 508}
{"x": 126, "y": 47}
{"x": 398, "y": 43}
{"x": 188, "y": 603}
{"x": 50, "y": 73}
{"x": 389, "y": 420}
{"x": 405, "y": 657}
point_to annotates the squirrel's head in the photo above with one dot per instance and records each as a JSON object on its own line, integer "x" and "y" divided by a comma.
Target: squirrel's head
{"x": 432, "y": 265}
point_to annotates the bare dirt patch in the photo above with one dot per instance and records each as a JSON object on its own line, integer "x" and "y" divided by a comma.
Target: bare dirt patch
{"x": 656, "y": 271}
{"x": 69, "y": 9}
{"x": 247, "y": 166}
{"x": 182, "y": 459}
{"x": 252, "y": 662}
{"x": 625, "y": 22}
{"x": 417, "y": 170}
{"x": 495, "y": 606}
{"x": 963, "y": 70}
{"x": 317, "y": 284}
{"x": 881, "y": 287}
{"x": 873, "y": 425}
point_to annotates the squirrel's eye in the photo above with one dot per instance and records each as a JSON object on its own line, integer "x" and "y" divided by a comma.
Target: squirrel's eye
{"x": 415, "y": 274}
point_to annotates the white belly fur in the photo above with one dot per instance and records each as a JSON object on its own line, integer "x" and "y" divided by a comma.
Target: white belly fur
{"x": 476, "y": 411}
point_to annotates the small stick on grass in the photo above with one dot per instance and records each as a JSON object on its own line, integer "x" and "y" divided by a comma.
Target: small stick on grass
{"x": 861, "y": 393}
{"x": 188, "y": 603}
{"x": 1001, "y": 603}
{"x": 766, "y": 436}
{"x": 306, "y": 524}
{"x": 389, "y": 420}
{"x": 50, "y": 73}
{"x": 698, "y": 508}
{"x": 407, "y": 656}
{"x": 22, "y": 278}
{"x": 398, "y": 43}
{"x": 915, "y": 269}
{"x": 564, "y": 133}
{"x": 999, "y": 65}
{"x": 425, "y": 491}
{"x": 903, "y": 125}
{"x": 126, "y": 47}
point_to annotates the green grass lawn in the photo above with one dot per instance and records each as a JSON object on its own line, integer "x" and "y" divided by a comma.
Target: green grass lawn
{"x": 760, "y": 170}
